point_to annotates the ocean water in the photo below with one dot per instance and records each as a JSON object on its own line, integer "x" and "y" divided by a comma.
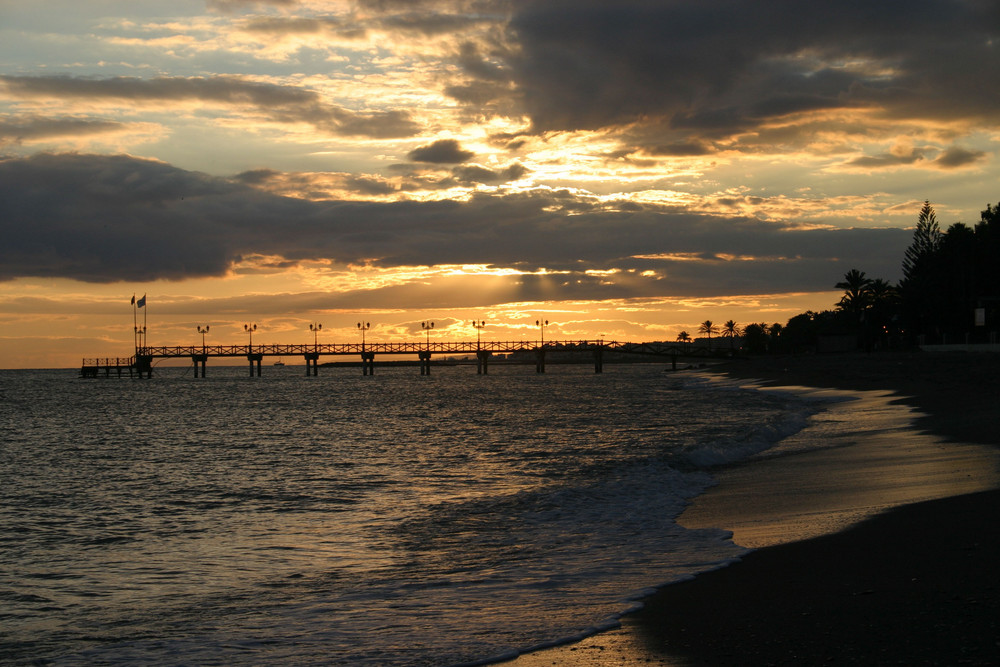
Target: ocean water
{"x": 393, "y": 519}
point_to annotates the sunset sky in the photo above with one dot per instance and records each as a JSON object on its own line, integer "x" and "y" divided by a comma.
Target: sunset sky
{"x": 626, "y": 168}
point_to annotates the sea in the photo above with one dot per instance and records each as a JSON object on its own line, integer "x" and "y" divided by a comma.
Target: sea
{"x": 344, "y": 519}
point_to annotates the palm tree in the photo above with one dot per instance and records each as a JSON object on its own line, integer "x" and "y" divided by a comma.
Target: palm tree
{"x": 755, "y": 337}
{"x": 684, "y": 337}
{"x": 883, "y": 297}
{"x": 855, "y": 287}
{"x": 708, "y": 328}
{"x": 776, "y": 330}
{"x": 731, "y": 330}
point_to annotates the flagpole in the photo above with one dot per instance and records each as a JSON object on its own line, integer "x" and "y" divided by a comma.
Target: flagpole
{"x": 135, "y": 327}
{"x": 145, "y": 313}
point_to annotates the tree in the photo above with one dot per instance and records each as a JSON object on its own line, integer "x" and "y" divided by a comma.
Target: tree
{"x": 855, "y": 287}
{"x": 708, "y": 328}
{"x": 731, "y": 330}
{"x": 755, "y": 337}
{"x": 882, "y": 307}
{"x": 777, "y": 339}
{"x": 921, "y": 287}
{"x": 684, "y": 337}
{"x": 987, "y": 267}
{"x": 926, "y": 242}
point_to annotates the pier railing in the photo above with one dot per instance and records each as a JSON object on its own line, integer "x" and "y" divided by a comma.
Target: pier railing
{"x": 107, "y": 365}
{"x": 434, "y": 347}
{"x": 142, "y": 362}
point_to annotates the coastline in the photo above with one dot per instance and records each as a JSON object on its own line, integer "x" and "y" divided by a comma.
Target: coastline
{"x": 916, "y": 584}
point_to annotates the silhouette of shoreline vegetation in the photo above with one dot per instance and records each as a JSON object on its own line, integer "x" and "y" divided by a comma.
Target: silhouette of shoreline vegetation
{"x": 949, "y": 293}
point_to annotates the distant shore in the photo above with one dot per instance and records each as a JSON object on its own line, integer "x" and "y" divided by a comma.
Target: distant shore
{"x": 917, "y": 584}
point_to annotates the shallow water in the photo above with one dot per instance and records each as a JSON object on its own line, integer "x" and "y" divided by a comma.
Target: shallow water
{"x": 344, "y": 519}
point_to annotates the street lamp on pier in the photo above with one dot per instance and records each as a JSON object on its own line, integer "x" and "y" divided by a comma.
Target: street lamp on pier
{"x": 427, "y": 326}
{"x": 541, "y": 325}
{"x": 203, "y": 331}
{"x": 315, "y": 329}
{"x": 479, "y": 325}
{"x": 364, "y": 326}
{"x": 250, "y": 328}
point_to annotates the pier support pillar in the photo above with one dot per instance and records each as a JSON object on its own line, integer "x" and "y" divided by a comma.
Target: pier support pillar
{"x": 144, "y": 364}
{"x": 199, "y": 359}
{"x": 539, "y": 360}
{"x": 312, "y": 363}
{"x": 368, "y": 363}
{"x": 425, "y": 362}
{"x": 599, "y": 360}
{"x": 482, "y": 362}
{"x": 252, "y": 358}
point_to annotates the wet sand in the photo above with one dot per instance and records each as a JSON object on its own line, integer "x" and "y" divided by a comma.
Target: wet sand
{"x": 838, "y": 576}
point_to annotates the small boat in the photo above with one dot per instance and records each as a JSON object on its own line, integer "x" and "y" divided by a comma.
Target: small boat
{"x": 279, "y": 362}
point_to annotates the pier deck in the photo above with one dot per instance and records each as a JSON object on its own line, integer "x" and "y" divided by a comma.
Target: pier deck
{"x": 598, "y": 350}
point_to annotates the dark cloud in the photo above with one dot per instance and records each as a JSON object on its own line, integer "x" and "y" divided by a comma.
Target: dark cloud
{"x": 888, "y": 160}
{"x": 281, "y": 26}
{"x": 706, "y": 70}
{"x": 106, "y": 219}
{"x": 235, "y": 5}
{"x": 442, "y": 151}
{"x": 679, "y": 149}
{"x": 321, "y": 185}
{"x": 16, "y": 130}
{"x": 477, "y": 174}
{"x": 287, "y": 104}
{"x": 956, "y": 157}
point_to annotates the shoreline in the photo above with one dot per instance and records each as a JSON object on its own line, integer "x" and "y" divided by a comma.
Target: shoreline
{"x": 915, "y": 583}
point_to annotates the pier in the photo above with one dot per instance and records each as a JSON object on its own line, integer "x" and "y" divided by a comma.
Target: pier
{"x": 580, "y": 351}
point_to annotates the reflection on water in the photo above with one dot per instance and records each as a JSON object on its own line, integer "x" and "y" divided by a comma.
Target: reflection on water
{"x": 395, "y": 519}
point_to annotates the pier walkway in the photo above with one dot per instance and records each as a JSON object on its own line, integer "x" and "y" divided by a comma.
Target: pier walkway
{"x": 566, "y": 350}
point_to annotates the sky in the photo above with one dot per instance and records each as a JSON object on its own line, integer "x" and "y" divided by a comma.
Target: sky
{"x": 627, "y": 169}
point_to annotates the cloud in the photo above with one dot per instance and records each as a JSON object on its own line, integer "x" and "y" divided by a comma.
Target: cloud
{"x": 956, "y": 157}
{"x": 285, "y": 104}
{"x": 705, "y": 72}
{"x": 443, "y": 151}
{"x": 115, "y": 218}
{"x": 477, "y": 174}
{"x": 887, "y": 160}
{"x": 35, "y": 128}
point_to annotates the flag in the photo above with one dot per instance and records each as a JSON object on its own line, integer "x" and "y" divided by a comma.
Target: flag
{"x": 133, "y": 299}
{"x": 141, "y": 302}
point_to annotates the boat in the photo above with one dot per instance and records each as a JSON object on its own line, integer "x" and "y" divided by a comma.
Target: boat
{"x": 279, "y": 362}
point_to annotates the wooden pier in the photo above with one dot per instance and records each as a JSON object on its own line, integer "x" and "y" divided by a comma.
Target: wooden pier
{"x": 565, "y": 351}
{"x": 92, "y": 368}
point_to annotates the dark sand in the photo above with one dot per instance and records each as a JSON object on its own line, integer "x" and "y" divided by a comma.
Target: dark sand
{"x": 917, "y": 585}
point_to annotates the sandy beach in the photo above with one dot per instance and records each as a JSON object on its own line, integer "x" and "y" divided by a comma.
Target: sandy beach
{"x": 875, "y": 551}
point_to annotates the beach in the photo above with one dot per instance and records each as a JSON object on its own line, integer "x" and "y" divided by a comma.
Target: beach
{"x": 871, "y": 552}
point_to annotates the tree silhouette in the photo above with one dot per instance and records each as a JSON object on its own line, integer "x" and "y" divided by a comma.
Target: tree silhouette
{"x": 926, "y": 242}
{"x": 921, "y": 284}
{"x": 684, "y": 337}
{"x": 755, "y": 337}
{"x": 708, "y": 328}
{"x": 731, "y": 330}
{"x": 855, "y": 286}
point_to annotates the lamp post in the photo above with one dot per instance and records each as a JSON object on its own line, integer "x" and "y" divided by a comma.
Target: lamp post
{"x": 140, "y": 333}
{"x": 203, "y": 331}
{"x": 364, "y": 326}
{"x": 541, "y": 325}
{"x": 250, "y": 328}
{"x": 427, "y": 326}
{"x": 315, "y": 329}
{"x": 479, "y": 325}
